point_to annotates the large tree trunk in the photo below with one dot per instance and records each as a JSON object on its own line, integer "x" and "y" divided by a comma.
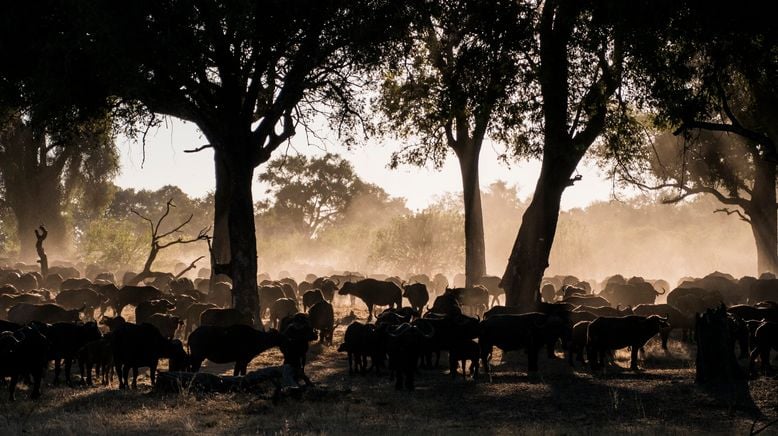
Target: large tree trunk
{"x": 475, "y": 251}
{"x": 242, "y": 237}
{"x": 529, "y": 257}
{"x": 221, "y": 235}
{"x": 764, "y": 217}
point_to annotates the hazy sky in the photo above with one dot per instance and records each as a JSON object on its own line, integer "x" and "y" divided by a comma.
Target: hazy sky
{"x": 167, "y": 164}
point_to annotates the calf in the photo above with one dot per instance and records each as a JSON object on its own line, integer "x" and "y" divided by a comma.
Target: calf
{"x": 323, "y": 320}
{"x": 98, "y": 355}
{"x": 237, "y": 343}
{"x": 463, "y": 351}
{"x": 606, "y": 334}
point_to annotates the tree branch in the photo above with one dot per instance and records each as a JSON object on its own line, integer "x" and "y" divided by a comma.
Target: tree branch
{"x": 200, "y": 148}
{"x": 735, "y": 212}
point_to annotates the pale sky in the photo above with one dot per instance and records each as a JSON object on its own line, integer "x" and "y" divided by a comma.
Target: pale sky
{"x": 167, "y": 164}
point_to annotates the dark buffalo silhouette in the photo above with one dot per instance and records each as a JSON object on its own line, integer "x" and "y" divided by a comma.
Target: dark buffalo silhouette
{"x": 373, "y": 293}
{"x": 23, "y": 353}
{"x": 322, "y": 318}
{"x": 141, "y": 345}
{"x": 606, "y": 334}
{"x": 237, "y": 343}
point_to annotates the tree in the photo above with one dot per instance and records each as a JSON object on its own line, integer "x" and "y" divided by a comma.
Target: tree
{"x": 577, "y": 65}
{"x": 719, "y": 96}
{"x": 161, "y": 239}
{"x": 247, "y": 73}
{"x": 310, "y": 193}
{"x": 422, "y": 242}
{"x": 45, "y": 173}
{"x": 457, "y": 84}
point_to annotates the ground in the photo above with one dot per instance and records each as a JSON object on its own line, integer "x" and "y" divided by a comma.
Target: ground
{"x": 661, "y": 398}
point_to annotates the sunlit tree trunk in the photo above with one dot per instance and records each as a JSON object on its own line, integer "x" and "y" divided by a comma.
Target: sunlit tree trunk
{"x": 475, "y": 251}
{"x": 764, "y": 217}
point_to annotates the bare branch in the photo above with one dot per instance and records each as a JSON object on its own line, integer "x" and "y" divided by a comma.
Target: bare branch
{"x": 151, "y": 224}
{"x": 200, "y": 148}
{"x": 167, "y": 211}
{"x": 735, "y": 212}
{"x": 189, "y": 268}
{"x": 176, "y": 229}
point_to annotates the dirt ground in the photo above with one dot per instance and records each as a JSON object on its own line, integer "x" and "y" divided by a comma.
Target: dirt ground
{"x": 660, "y": 399}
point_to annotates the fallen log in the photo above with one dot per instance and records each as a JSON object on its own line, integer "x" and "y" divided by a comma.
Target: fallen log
{"x": 281, "y": 377}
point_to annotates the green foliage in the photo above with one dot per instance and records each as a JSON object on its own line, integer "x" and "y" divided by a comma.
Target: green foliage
{"x": 309, "y": 194}
{"x": 460, "y": 78}
{"x": 422, "y": 242}
{"x": 113, "y": 243}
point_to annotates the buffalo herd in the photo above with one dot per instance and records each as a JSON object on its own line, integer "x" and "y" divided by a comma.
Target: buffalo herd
{"x": 67, "y": 319}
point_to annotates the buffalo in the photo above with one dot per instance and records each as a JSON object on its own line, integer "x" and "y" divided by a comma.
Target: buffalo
{"x": 24, "y": 313}
{"x": 323, "y": 320}
{"x": 361, "y": 341}
{"x": 139, "y": 345}
{"x": 529, "y": 331}
{"x": 417, "y": 295}
{"x": 606, "y": 334}
{"x": 66, "y": 341}
{"x": 374, "y": 293}
{"x": 237, "y": 343}
{"x": 404, "y": 346}
{"x": 23, "y": 353}
{"x": 225, "y": 317}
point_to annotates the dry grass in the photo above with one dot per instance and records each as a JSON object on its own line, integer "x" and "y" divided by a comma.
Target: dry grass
{"x": 558, "y": 400}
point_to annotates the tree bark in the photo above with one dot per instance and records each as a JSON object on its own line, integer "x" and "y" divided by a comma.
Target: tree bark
{"x": 764, "y": 216}
{"x": 242, "y": 237}
{"x": 529, "y": 256}
{"x": 475, "y": 251}
{"x": 221, "y": 236}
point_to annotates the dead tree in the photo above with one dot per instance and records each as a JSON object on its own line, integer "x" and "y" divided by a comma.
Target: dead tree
{"x": 158, "y": 241}
{"x": 188, "y": 268}
{"x": 42, "y": 258}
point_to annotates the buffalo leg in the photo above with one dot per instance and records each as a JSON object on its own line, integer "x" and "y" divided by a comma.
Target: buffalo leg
{"x": 532, "y": 359}
{"x": 369, "y": 312}
{"x": 68, "y": 367}
{"x": 37, "y": 375}
{"x": 453, "y": 364}
{"x": 665, "y": 335}
{"x": 153, "y": 374}
{"x": 57, "y": 370}
{"x": 12, "y": 387}
{"x": 134, "y": 377}
{"x": 633, "y": 362}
